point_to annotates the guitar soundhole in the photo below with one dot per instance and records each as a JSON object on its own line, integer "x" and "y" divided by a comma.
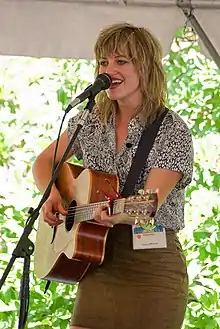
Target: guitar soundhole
{"x": 70, "y": 216}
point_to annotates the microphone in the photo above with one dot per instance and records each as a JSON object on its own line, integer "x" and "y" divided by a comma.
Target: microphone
{"x": 103, "y": 81}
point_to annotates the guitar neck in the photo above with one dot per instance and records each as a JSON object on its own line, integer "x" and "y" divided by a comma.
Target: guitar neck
{"x": 85, "y": 212}
{"x": 140, "y": 206}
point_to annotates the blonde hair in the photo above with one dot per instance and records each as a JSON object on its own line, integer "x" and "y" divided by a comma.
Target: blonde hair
{"x": 146, "y": 54}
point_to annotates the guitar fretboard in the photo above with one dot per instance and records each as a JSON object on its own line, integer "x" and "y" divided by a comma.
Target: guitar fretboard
{"x": 85, "y": 212}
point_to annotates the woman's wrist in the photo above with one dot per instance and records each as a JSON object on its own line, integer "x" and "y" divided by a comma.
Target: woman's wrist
{"x": 54, "y": 191}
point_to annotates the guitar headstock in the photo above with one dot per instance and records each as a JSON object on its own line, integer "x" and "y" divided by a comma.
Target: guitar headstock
{"x": 142, "y": 205}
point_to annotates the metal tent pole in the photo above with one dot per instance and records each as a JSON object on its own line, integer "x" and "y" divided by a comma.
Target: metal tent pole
{"x": 188, "y": 12}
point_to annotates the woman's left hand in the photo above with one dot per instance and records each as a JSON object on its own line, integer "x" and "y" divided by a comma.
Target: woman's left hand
{"x": 101, "y": 216}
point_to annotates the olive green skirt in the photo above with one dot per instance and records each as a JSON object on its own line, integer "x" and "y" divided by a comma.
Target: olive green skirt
{"x": 144, "y": 289}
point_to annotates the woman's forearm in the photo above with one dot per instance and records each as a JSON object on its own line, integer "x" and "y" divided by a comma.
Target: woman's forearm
{"x": 42, "y": 173}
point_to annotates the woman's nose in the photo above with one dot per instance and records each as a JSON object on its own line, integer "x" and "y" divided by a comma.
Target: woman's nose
{"x": 110, "y": 68}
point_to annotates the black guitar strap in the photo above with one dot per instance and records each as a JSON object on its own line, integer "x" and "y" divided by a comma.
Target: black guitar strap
{"x": 143, "y": 150}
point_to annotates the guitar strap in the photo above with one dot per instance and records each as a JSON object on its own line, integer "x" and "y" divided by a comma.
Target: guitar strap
{"x": 143, "y": 150}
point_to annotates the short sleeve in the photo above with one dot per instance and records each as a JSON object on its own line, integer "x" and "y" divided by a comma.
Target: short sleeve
{"x": 176, "y": 151}
{"x": 76, "y": 148}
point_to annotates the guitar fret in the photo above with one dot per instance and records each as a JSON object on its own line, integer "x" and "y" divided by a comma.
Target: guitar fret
{"x": 119, "y": 206}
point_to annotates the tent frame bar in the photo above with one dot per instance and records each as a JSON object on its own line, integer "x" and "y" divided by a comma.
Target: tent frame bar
{"x": 154, "y": 4}
{"x": 199, "y": 30}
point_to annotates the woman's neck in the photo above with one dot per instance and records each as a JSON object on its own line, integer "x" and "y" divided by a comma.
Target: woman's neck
{"x": 124, "y": 115}
{"x": 126, "y": 111}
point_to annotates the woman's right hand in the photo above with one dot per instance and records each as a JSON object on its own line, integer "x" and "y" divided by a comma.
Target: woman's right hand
{"x": 52, "y": 207}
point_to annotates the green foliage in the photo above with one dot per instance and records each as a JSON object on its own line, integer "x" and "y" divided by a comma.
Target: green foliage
{"x": 33, "y": 93}
{"x": 193, "y": 87}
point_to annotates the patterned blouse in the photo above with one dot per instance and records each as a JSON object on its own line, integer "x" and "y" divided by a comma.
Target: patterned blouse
{"x": 172, "y": 149}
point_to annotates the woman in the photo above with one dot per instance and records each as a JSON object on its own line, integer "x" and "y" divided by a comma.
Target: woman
{"x": 133, "y": 288}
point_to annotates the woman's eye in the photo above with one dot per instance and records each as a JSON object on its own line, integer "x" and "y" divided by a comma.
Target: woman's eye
{"x": 103, "y": 63}
{"x": 122, "y": 61}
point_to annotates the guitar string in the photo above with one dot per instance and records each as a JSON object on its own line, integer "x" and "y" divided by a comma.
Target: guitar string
{"x": 85, "y": 213}
{"x": 86, "y": 217}
{"x": 92, "y": 205}
{"x": 96, "y": 204}
{"x": 89, "y": 208}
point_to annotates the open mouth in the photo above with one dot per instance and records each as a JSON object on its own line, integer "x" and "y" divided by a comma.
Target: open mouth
{"x": 115, "y": 84}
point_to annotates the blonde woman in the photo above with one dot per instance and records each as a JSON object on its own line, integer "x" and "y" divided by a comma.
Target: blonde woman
{"x": 133, "y": 288}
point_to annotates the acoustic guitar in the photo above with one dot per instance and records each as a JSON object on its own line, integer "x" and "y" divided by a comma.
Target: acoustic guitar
{"x": 64, "y": 253}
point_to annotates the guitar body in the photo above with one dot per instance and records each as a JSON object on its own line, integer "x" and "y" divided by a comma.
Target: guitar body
{"x": 65, "y": 253}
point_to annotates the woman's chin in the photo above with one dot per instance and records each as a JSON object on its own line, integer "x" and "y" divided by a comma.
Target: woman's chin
{"x": 114, "y": 96}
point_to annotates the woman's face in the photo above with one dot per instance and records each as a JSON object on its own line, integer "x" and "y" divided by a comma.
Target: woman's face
{"x": 125, "y": 79}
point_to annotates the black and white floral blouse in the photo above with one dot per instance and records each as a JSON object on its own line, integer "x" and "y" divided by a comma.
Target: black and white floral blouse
{"x": 172, "y": 149}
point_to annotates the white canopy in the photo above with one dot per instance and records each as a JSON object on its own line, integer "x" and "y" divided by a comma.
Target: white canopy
{"x": 68, "y": 28}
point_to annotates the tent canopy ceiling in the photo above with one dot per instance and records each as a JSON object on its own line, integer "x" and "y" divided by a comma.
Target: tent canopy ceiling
{"x": 68, "y": 29}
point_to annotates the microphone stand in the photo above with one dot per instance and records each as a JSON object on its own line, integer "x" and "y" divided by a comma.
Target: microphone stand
{"x": 25, "y": 247}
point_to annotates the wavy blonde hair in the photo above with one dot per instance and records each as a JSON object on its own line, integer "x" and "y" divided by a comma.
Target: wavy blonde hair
{"x": 144, "y": 50}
